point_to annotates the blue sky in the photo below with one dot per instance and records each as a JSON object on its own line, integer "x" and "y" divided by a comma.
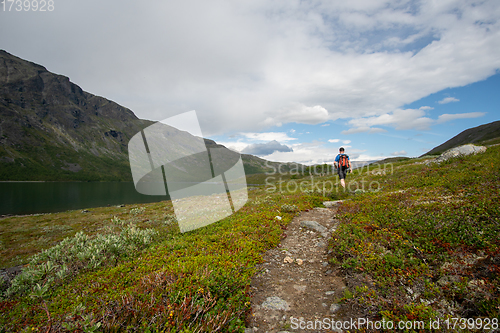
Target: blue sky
{"x": 289, "y": 80}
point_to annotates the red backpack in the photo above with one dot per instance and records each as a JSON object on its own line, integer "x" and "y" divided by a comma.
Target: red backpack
{"x": 343, "y": 161}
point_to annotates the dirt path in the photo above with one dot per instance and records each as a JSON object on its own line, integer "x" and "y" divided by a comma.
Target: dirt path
{"x": 296, "y": 284}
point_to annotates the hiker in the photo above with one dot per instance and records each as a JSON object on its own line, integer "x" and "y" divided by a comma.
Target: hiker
{"x": 343, "y": 164}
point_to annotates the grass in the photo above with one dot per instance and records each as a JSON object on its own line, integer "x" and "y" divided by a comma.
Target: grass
{"x": 23, "y": 236}
{"x": 48, "y": 163}
{"x": 427, "y": 245}
{"x": 419, "y": 241}
{"x": 179, "y": 282}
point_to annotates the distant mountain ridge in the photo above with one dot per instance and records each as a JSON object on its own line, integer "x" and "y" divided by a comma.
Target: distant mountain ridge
{"x": 483, "y": 134}
{"x": 50, "y": 129}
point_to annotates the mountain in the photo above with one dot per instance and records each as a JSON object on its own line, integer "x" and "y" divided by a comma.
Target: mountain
{"x": 483, "y": 134}
{"x": 50, "y": 129}
{"x": 391, "y": 160}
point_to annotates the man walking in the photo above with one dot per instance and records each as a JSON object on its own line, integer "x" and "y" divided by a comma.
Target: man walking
{"x": 343, "y": 164}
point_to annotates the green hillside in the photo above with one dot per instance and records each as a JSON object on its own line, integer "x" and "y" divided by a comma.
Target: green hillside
{"x": 426, "y": 246}
{"x": 487, "y": 134}
{"x": 422, "y": 244}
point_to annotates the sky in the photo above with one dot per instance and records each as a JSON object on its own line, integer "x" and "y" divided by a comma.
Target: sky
{"x": 286, "y": 80}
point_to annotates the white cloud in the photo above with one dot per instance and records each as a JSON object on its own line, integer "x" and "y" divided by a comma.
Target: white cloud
{"x": 364, "y": 129}
{"x": 237, "y": 146}
{"x": 268, "y": 136}
{"x": 298, "y": 113}
{"x": 399, "y": 153}
{"x": 449, "y": 117}
{"x": 305, "y": 153}
{"x": 426, "y": 108}
{"x": 255, "y": 141}
{"x": 404, "y": 120}
{"x": 267, "y": 148}
{"x": 325, "y": 125}
{"x": 248, "y": 65}
{"x": 448, "y": 100}
{"x": 346, "y": 142}
{"x": 367, "y": 157}
{"x": 334, "y": 140}
{"x": 399, "y": 119}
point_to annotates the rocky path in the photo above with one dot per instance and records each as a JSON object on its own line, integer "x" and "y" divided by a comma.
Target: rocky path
{"x": 295, "y": 285}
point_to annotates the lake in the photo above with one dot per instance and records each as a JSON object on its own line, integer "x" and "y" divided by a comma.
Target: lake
{"x": 19, "y": 198}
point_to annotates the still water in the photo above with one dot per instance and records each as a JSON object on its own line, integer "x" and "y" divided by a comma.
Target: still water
{"x": 50, "y": 197}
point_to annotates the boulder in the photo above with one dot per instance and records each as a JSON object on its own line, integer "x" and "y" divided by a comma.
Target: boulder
{"x": 330, "y": 204}
{"x": 314, "y": 226}
{"x": 460, "y": 151}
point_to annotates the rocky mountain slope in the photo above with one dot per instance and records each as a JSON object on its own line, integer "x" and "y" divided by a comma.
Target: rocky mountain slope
{"x": 50, "y": 129}
{"x": 484, "y": 134}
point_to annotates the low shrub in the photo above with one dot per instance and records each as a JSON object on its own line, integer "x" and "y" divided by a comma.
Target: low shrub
{"x": 80, "y": 252}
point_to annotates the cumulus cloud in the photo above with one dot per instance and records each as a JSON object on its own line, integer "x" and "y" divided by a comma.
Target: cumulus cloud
{"x": 236, "y": 146}
{"x": 308, "y": 153}
{"x": 448, "y": 100}
{"x": 298, "y": 113}
{"x": 400, "y": 119}
{"x": 262, "y": 149}
{"x": 344, "y": 142}
{"x": 364, "y": 129}
{"x": 404, "y": 120}
{"x": 305, "y": 153}
{"x": 247, "y": 65}
{"x": 399, "y": 153}
{"x": 267, "y": 136}
{"x": 449, "y": 117}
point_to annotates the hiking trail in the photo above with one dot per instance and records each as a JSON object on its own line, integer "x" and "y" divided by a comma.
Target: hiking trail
{"x": 295, "y": 284}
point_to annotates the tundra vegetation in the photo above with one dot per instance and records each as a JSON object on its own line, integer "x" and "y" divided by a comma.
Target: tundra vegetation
{"x": 424, "y": 245}
{"x": 427, "y": 246}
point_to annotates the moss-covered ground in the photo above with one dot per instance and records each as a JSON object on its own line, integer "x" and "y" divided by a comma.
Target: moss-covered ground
{"x": 424, "y": 238}
{"x": 171, "y": 281}
{"x": 428, "y": 244}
